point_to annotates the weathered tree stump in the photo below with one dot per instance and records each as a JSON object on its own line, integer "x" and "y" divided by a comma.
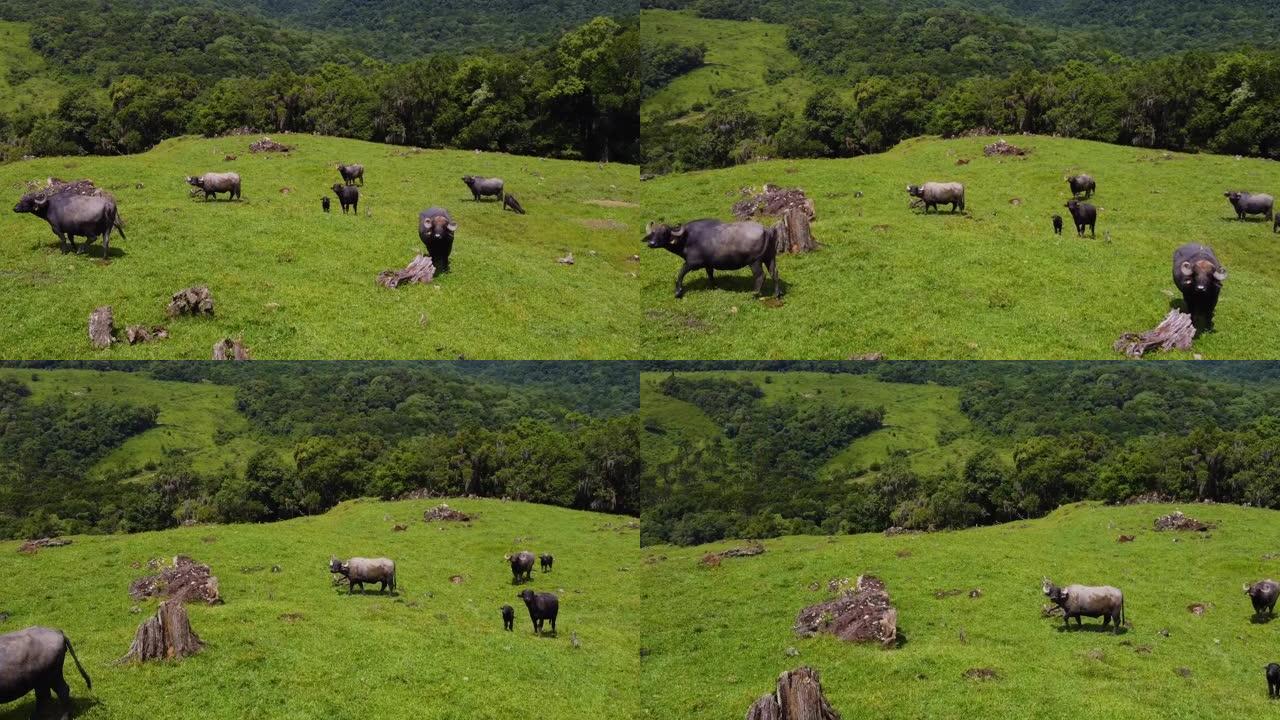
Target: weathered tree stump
{"x": 1175, "y": 332}
{"x": 228, "y": 349}
{"x": 167, "y": 635}
{"x": 102, "y": 327}
{"x": 793, "y": 232}
{"x": 419, "y": 270}
{"x": 798, "y": 697}
{"x": 192, "y": 301}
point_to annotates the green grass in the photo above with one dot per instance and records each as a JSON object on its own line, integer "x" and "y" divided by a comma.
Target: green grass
{"x": 738, "y": 53}
{"x": 190, "y": 415}
{"x": 716, "y": 639}
{"x": 993, "y": 283}
{"x": 436, "y": 649}
{"x": 915, "y": 415}
{"x": 24, "y": 79}
{"x": 297, "y": 283}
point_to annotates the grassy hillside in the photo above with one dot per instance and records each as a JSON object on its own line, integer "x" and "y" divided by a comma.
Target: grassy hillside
{"x": 717, "y": 639}
{"x": 291, "y": 645}
{"x": 991, "y": 283}
{"x": 298, "y": 283}
{"x": 23, "y": 79}
{"x": 914, "y": 416}
{"x": 738, "y": 55}
{"x": 190, "y": 416}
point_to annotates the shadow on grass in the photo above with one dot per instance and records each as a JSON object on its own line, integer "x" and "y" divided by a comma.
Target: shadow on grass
{"x": 738, "y": 283}
{"x": 1261, "y": 619}
{"x": 25, "y": 709}
{"x": 94, "y": 251}
{"x": 1235, "y": 219}
{"x": 1093, "y": 628}
{"x": 367, "y": 591}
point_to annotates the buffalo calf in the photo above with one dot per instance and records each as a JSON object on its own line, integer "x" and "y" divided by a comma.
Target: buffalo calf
{"x": 1273, "y": 680}
{"x": 542, "y": 607}
{"x": 1057, "y": 224}
{"x": 508, "y": 617}
{"x": 546, "y": 561}
{"x": 324, "y": 203}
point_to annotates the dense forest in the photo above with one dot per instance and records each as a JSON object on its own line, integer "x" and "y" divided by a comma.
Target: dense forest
{"x": 1078, "y": 431}
{"x": 355, "y": 429}
{"x": 128, "y": 75}
{"x": 1179, "y": 76}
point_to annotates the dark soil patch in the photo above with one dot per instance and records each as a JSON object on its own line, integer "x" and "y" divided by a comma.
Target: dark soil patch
{"x": 982, "y": 674}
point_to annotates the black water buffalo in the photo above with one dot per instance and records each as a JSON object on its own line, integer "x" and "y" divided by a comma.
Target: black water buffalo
{"x": 509, "y": 202}
{"x": 484, "y": 187}
{"x": 1263, "y": 595}
{"x": 70, "y": 215}
{"x": 214, "y": 183}
{"x": 351, "y": 173}
{"x": 1273, "y": 680}
{"x": 359, "y": 571}
{"x": 31, "y": 659}
{"x": 713, "y": 245}
{"x": 435, "y": 229}
{"x": 508, "y": 617}
{"x": 1250, "y": 203}
{"x": 939, "y": 193}
{"x": 324, "y": 203}
{"x": 546, "y": 561}
{"x": 542, "y": 607}
{"x": 1079, "y": 601}
{"x": 348, "y": 197}
{"x": 1082, "y": 184}
{"x": 1199, "y": 275}
{"x": 1083, "y": 214}
{"x": 521, "y": 566}
{"x": 1057, "y": 224}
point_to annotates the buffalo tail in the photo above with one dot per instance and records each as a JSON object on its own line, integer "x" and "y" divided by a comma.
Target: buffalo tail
{"x": 118, "y": 223}
{"x": 67, "y": 641}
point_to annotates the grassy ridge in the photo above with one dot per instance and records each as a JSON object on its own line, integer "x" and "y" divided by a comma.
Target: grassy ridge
{"x": 719, "y": 637}
{"x": 298, "y": 283}
{"x": 992, "y": 283}
{"x": 437, "y": 649}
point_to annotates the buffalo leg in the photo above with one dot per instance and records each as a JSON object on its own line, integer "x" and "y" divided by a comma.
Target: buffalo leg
{"x": 42, "y": 699}
{"x": 553, "y": 625}
{"x": 684, "y": 270}
{"x": 106, "y": 243}
{"x": 773, "y": 270}
{"x": 1092, "y": 231}
{"x": 711, "y": 280}
{"x": 64, "y": 695}
{"x": 355, "y": 207}
{"x": 758, "y": 272}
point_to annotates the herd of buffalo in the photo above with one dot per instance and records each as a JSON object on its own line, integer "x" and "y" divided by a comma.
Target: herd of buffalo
{"x": 711, "y": 245}
{"x": 32, "y": 659}
{"x": 71, "y": 213}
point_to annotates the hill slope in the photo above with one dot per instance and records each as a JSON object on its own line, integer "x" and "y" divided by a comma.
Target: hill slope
{"x": 298, "y": 283}
{"x": 24, "y": 80}
{"x": 992, "y": 283}
{"x": 291, "y": 645}
{"x": 718, "y": 637}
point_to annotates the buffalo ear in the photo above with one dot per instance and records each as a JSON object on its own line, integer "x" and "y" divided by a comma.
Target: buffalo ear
{"x": 1220, "y": 274}
{"x": 1185, "y": 269}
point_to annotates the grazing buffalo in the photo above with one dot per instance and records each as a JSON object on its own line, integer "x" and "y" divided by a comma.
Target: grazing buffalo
{"x": 435, "y": 229}
{"x": 214, "y": 183}
{"x": 1263, "y": 594}
{"x": 70, "y": 215}
{"x": 1057, "y": 224}
{"x": 359, "y": 571}
{"x": 546, "y": 560}
{"x": 509, "y": 202}
{"x": 484, "y": 187}
{"x": 542, "y": 607}
{"x": 508, "y": 617}
{"x": 1273, "y": 680}
{"x": 1079, "y": 601}
{"x": 324, "y": 203}
{"x": 1083, "y": 214}
{"x": 1199, "y": 275}
{"x": 1250, "y": 204}
{"x": 348, "y": 197}
{"x": 1082, "y": 184}
{"x": 31, "y": 659}
{"x": 351, "y": 173}
{"x": 521, "y": 566}
{"x": 713, "y": 245}
{"x": 939, "y": 193}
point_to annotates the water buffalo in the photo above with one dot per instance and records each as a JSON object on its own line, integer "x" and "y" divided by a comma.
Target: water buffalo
{"x": 31, "y": 659}
{"x": 1081, "y": 184}
{"x": 1199, "y": 275}
{"x": 1057, "y": 224}
{"x": 483, "y": 187}
{"x": 713, "y": 245}
{"x": 324, "y": 203}
{"x": 435, "y": 229}
{"x": 1263, "y": 594}
{"x": 1273, "y": 680}
{"x": 359, "y": 571}
{"x": 508, "y": 617}
{"x": 214, "y": 183}
{"x": 939, "y": 193}
{"x": 1079, "y": 601}
{"x": 546, "y": 561}
{"x": 348, "y": 197}
{"x": 521, "y": 566}
{"x": 509, "y": 202}
{"x": 351, "y": 173}
{"x": 1250, "y": 204}
{"x": 542, "y": 607}
{"x": 1083, "y": 214}
{"x": 70, "y": 214}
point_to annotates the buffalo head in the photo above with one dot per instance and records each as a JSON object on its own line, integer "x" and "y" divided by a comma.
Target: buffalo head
{"x": 526, "y": 595}
{"x": 439, "y": 227}
{"x": 34, "y": 203}
{"x": 661, "y": 235}
{"x": 1200, "y": 274}
{"x": 915, "y": 191}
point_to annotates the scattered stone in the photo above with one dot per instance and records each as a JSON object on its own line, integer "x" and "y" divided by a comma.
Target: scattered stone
{"x": 861, "y": 615}
{"x": 194, "y": 301}
{"x": 102, "y": 327}
{"x": 791, "y": 652}
{"x": 275, "y": 568}
{"x": 1050, "y": 610}
{"x": 457, "y": 579}
{"x": 982, "y": 674}
{"x": 268, "y": 145}
{"x": 1175, "y": 332}
{"x": 713, "y": 559}
{"x": 1124, "y": 539}
{"x": 876, "y": 357}
{"x": 228, "y": 158}
{"x": 399, "y": 528}
{"x": 228, "y": 349}
{"x": 135, "y": 610}
{"x": 574, "y": 642}
{"x": 798, "y": 696}
{"x": 444, "y": 513}
{"x": 1001, "y": 147}
{"x": 186, "y": 581}
{"x": 975, "y": 593}
{"x": 1177, "y": 521}
{"x": 1183, "y": 672}
{"x": 142, "y": 333}
{"x": 1196, "y": 608}
{"x": 31, "y": 547}
{"x": 419, "y": 270}
{"x": 1163, "y": 633}
{"x": 1015, "y": 201}
{"x": 167, "y": 635}
{"x": 566, "y": 260}
{"x": 962, "y": 161}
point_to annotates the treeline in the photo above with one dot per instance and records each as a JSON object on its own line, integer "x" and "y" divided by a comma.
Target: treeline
{"x": 203, "y": 72}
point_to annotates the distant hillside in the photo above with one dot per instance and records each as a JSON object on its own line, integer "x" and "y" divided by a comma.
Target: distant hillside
{"x": 734, "y": 622}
